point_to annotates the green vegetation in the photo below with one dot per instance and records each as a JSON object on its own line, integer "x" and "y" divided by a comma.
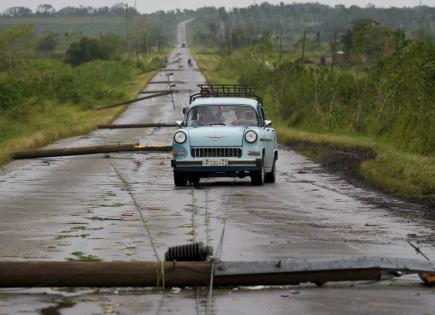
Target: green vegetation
{"x": 43, "y": 99}
{"x": 389, "y": 107}
{"x": 285, "y": 24}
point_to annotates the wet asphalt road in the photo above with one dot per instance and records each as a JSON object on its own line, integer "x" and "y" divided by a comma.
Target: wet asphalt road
{"x": 72, "y": 207}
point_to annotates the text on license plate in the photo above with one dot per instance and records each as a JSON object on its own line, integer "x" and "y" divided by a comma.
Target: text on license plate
{"x": 221, "y": 162}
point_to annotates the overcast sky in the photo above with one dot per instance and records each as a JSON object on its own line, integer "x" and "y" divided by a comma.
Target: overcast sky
{"x": 154, "y": 5}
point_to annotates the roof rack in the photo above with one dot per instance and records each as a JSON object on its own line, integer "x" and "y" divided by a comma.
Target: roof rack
{"x": 225, "y": 90}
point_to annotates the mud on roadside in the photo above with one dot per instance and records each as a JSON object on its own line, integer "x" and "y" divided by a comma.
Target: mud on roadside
{"x": 346, "y": 161}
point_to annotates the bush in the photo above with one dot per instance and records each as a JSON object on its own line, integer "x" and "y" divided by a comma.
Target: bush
{"x": 87, "y": 49}
{"x": 393, "y": 100}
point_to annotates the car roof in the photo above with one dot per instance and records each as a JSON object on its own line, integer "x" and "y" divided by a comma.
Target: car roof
{"x": 225, "y": 101}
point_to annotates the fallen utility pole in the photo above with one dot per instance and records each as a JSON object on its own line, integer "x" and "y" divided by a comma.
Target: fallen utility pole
{"x": 168, "y": 91}
{"x": 101, "y": 274}
{"x": 172, "y": 70}
{"x": 174, "y": 61}
{"x": 31, "y": 154}
{"x": 126, "y": 126}
{"x": 158, "y": 91}
{"x": 135, "y": 100}
{"x": 165, "y": 82}
{"x": 198, "y": 273}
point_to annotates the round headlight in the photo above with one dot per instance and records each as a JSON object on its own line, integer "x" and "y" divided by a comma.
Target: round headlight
{"x": 251, "y": 136}
{"x": 180, "y": 137}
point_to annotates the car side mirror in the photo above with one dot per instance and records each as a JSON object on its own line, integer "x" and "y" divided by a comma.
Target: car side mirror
{"x": 268, "y": 123}
{"x": 179, "y": 123}
{"x": 184, "y": 110}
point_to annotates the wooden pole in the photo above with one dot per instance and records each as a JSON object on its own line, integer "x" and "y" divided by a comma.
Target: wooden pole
{"x": 303, "y": 48}
{"x": 135, "y": 100}
{"x": 102, "y": 274}
{"x": 154, "y": 274}
{"x": 198, "y": 273}
{"x": 31, "y": 154}
{"x": 334, "y": 43}
{"x": 126, "y": 30}
{"x": 126, "y": 126}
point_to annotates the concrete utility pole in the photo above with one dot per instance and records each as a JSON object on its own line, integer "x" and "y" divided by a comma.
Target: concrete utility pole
{"x": 126, "y": 30}
{"x": 280, "y": 38}
{"x": 334, "y": 43}
{"x": 303, "y": 48}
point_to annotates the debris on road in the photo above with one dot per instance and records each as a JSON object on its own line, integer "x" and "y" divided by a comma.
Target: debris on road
{"x": 197, "y": 273}
{"x": 29, "y": 154}
{"x": 124, "y": 126}
{"x": 158, "y": 91}
{"x": 165, "y": 82}
{"x": 135, "y": 100}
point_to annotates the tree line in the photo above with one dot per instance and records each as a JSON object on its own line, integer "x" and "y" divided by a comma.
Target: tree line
{"x": 45, "y": 10}
{"x": 284, "y": 24}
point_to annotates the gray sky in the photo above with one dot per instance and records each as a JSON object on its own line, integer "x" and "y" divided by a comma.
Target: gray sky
{"x": 154, "y": 5}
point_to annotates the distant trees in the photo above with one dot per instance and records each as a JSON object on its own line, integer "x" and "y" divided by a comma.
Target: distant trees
{"x": 368, "y": 40}
{"x": 88, "y": 49}
{"x": 18, "y": 12}
{"x": 245, "y": 26}
{"x": 45, "y": 10}
{"x": 48, "y": 10}
{"x": 48, "y": 42}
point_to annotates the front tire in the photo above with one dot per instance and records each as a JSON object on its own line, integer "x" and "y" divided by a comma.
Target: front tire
{"x": 271, "y": 177}
{"x": 179, "y": 179}
{"x": 194, "y": 180}
{"x": 257, "y": 178}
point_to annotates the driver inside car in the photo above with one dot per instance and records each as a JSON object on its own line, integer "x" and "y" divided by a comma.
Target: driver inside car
{"x": 243, "y": 118}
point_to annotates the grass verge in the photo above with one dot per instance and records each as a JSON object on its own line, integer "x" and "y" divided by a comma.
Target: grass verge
{"x": 380, "y": 164}
{"x": 41, "y": 126}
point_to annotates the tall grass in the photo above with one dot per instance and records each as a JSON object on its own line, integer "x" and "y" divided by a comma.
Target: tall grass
{"x": 394, "y": 100}
{"x": 44, "y": 100}
{"x": 389, "y": 109}
{"x": 36, "y": 81}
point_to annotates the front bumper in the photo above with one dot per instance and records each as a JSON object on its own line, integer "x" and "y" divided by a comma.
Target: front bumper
{"x": 233, "y": 167}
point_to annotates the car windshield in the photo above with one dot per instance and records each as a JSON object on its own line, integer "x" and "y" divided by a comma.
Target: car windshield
{"x": 226, "y": 115}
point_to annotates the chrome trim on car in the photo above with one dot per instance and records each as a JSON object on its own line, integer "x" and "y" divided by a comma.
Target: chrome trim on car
{"x": 206, "y": 152}
{"x": 231, "y": 163}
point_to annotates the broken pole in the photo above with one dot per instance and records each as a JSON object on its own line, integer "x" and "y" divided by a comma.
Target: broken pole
{"x": 102, "y": 274}
{"x": 198, "y": 273}
{"x": 158, "y": 91}
{"x": 135, "y": 100}
{"x": 33, "y": 154}
{"x": 165, "y": 82}
{"x": 127, "y": 126}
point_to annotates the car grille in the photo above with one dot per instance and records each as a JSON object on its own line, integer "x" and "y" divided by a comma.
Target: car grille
{"x": 216, "y": 152}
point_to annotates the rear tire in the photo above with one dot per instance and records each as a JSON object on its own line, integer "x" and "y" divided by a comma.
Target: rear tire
{"x": 180, "y": 180}
{"x": 271, "y": 177}
{"x": 257, "y": 178}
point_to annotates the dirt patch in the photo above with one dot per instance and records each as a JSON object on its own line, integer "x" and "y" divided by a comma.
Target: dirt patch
{"x": 346, "y": 161}
{"x": 337, "y": 159}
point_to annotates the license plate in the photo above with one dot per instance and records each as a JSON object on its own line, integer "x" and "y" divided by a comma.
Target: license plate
{"x": 215, "y": 162}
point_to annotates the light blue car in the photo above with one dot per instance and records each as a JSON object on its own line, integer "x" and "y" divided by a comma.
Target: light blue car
{"x": 224, "y": 133}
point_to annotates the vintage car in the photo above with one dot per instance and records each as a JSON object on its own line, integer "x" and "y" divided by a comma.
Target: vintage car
{"x": 224, "y": 133}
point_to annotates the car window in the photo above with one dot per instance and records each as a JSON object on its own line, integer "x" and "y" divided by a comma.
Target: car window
{"x": 228, "y": 115}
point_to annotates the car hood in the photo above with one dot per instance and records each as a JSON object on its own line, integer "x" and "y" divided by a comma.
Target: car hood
{"x": 219, "y": 136}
